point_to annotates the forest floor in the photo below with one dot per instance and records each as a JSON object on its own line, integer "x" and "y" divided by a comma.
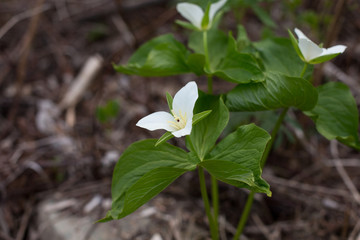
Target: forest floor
{"x": 53, "y": 146}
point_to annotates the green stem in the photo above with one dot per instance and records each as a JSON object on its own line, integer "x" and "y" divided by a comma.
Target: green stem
{"x": 213, "y": 226}
{"x": 273, "y": 136}
{"x": 215, "y": 198}
{"x": 250, "y": 200}
{"x": 206, "y": 50}
{"x": 244, "y": 215}
{"x": 304, "y": 70}
{"x": 214, "y": 183}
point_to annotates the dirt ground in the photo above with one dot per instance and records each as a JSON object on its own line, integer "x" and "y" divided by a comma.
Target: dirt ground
{"x": 52, "y": 143}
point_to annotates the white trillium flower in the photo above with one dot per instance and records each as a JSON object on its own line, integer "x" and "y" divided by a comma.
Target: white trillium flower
{"x": 312, "y": 53}
{"x": 194, "y": 14}
{"x": 179, "y": 122}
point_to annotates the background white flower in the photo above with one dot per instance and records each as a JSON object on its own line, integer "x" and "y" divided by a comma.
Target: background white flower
{"x": 179, "y": 122}
{"x": 312, "y": 53}
{"x": 194, "y": 14}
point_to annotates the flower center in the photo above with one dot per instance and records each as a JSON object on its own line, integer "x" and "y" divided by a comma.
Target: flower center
{"x": 179, "y": 120}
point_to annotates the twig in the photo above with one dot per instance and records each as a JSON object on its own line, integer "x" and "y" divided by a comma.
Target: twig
{"x": 24, "y": 221}
{"x": 331, "y": 69}
{"x": 263, "y": 229}
{"x": 355, "y": 234}
{"x": 126, "y": 34}
{"x": 17, "y": 18}
{"x": 343, "y": 174}
{"x": 88, "y": 73}
{"x": 305, "y": 187}
{"x": 346, "y": 162}
{"x": 21, "y": 71}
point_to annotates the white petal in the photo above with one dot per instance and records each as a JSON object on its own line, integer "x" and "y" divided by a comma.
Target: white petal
{"x": 309, "y": 49}
{"x": 185, "y": 98}
{"x": 191, "y": 12}
{"x": 300, "y": 34}
{"x": 214, "y": 8}
{"x": 333, "y": 50}
{"x": 157, "y": 120}
{"x": 186, "y": 130}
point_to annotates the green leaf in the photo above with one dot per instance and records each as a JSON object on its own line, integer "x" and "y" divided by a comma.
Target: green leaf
{"x": 295, "y": 44}
{"x": 229, "y": 172}
{"x": 278, "y": 55}
{"x": 196, "y": 63}
{"x": 336, "y": 115}
{"x": 161, "y": 56}
{"x": 169, "y": 100}
{"x": 187, "y": 25}
{"x": 242, "y": 38}
{"x": 323, "y": 58}
{"x": 166, "y": 136}
{"x": 277, "y": 91}
{"x": 242, "y": 150}
{"x": 148, "y": 186}
{"x": 200, "y": 116}
{"x": 263, "y": 16}
{"x": 217, "y": 42}
{"x": 239, "y": 68}
{"x": 138, "y": 161}
{"x": 204, "y": 134}
{"x": 205, "y": 21}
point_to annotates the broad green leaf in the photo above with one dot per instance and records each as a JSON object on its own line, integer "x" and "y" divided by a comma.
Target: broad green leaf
{"x": 278, "y": 55}
{"x": 277, "y": 91}
{"x": 204, "y": 134}
{"x": 139, "y": 159}
{"x": 244, "y": 148}
{"x": 196, "y": 63}
{"x": 229, "y": 172}
{"x": 148, "y": 186}
{"x": 161, "y": 56}
{"x": 239, "y": 68}
{"x": 217, "y": 42}
{"x": 336, "y": 115}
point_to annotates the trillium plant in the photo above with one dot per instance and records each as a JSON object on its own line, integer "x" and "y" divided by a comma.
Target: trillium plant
{"x": 273, "y": 74}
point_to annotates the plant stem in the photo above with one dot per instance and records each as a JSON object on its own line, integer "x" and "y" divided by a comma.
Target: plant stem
{"x": 214, "y": 183}
{"x": 206, "y": 50}
{"x": 213, "y": 225}
{"x": 304, "y": 70}
{"x": 250, "y": 199}
{"x": 215, "y": 198}
{"x": 244, "y": 215}
{"x": 273, "y": 136}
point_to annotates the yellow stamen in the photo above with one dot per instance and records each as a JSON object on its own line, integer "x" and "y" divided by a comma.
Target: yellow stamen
{"x": 179, "y": 120}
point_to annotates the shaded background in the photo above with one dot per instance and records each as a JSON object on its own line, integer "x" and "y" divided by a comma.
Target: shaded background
{"x": 66, "y": 116}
